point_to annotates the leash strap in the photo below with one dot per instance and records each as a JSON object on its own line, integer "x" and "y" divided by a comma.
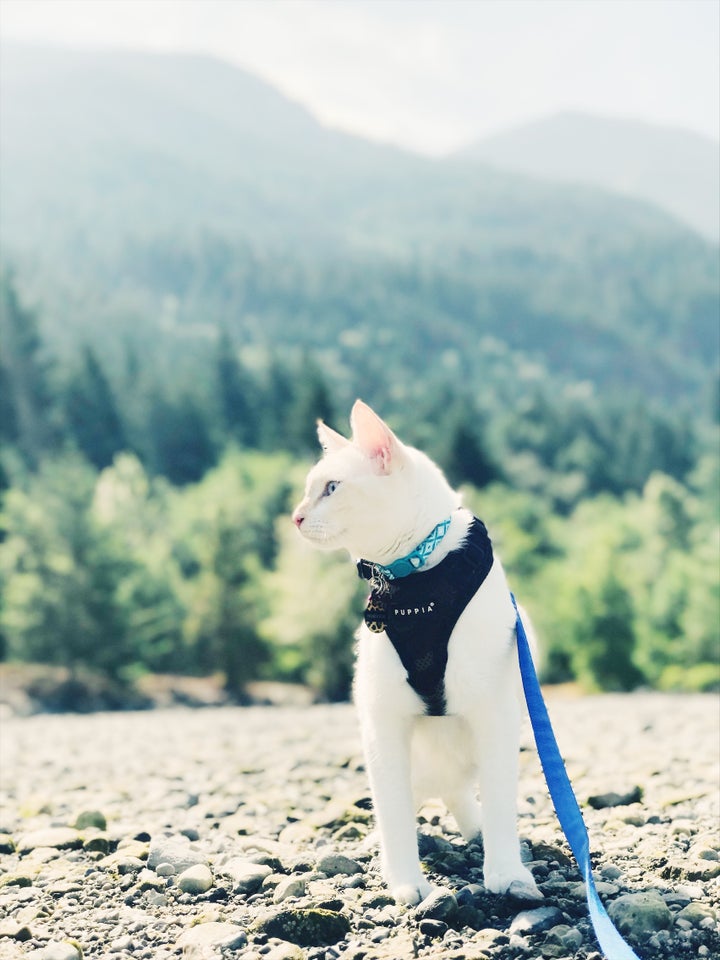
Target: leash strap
{"x": 564, "y": 800}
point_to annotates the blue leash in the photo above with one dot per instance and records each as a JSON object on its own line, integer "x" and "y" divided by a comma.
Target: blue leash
{"x": 564, "y": 800}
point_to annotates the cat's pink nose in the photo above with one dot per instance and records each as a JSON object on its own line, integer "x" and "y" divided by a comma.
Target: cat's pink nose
{"x": 298, "y": 519}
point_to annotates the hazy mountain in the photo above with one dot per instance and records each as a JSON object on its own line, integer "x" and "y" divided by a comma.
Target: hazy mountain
{"x": 122, "y": 142}
{"x": 133, "y": 141}
{"x": 153, "y": 198}
{"x": 675, "y": 169}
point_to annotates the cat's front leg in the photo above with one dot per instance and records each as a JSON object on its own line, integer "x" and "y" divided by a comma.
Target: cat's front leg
{"x": 503, "y": 869}
{"x": 387, "y": 753}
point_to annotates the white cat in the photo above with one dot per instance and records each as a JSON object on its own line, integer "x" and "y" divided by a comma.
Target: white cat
{"x": 379, "y": 499}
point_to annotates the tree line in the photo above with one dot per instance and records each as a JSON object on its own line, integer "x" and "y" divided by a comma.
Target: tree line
{"x": 543, "y": 434}
{"x": 144, "y": 524}
{"x": 123, "y": 573}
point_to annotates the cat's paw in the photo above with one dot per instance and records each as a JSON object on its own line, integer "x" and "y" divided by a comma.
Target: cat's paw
{"x": 410, "y": 894}
{"x": 516, "y": 881}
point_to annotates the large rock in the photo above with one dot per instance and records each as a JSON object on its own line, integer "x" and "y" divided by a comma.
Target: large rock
{"x": 437, "y": 905}
{"x": 214, "y": 933}
{"x": 149, "y": 880}
{"x": 695, "y": 913}
{"x": 307, "y": 928}
{"x": 122, "y": 863}
{"x": 91, "y": 818}
{"x": 339, "y": 812}
{"x": 335, "y": 864}
{"x": 60, "y": 838}
{"x": 246, "y": 875}
{"x": 174, "y": 850}
{"x": 285, "y": 951}
{"x": 56, "y": 951}
{"x": 289, "y": 887}
{"x": 535, "y": 921}
{"x": 433, "y": 928}
{"x": 15, "y": 930}
{"x": 7, "y": 844}
{"x": 197, "y": 879}
{"x": 602, "y": 801}
{"x": 636, "y": 914}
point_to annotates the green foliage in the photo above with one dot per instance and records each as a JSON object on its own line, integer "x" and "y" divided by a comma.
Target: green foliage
{"x": 604, "y": 510}
{"x": 623, "y": 592}
{"x": 224, "y": 538}
{"x": 64, "y": 574}
{"x": 182, "y": 446}
{"x": 311, "y": 403}
{"x": 570, "y": 443}
{"x": 237, "y": 395}
{"x": 606, "y": 519}
{"x": 121, "y": 572}
{"x": 135, "y": 508}
{"x": 26, "y": 410}
{"x": 696, "y": 678}
{"x": 315, "y": 610}
{"x": 92, "y": 413}
{"x": 604, "y": 638}
{"x": 556, "y": 371}
{"x": 463, "y": 449}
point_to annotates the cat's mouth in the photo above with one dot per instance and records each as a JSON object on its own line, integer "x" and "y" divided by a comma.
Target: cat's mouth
{"x": 321, "y": 537}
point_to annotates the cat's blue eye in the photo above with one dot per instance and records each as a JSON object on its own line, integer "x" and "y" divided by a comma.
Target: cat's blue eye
{"x": 330, "y": 487}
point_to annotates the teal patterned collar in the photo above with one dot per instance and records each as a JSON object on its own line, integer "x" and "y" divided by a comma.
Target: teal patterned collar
{"x": 413, "y": 562}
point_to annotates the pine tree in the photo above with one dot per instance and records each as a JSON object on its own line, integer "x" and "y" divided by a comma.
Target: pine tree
{"x": 604, "y": 655}
{"x": 64, "y": 596}
{"x": 26, "y": 414}
{"x": 182, "y": 446}
{"x": 92, "y": 413}
{"x": 237, "y": 395}
{"x": 9, "y": 431}
{"x": 279, "y": 400}
{"x": 312, "y": 403}
{"x": 240, "y": 652}
{"x": 466, "y": 457}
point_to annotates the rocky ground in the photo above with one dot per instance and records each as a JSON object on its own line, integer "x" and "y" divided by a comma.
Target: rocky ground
{"x": 245, "y": 833}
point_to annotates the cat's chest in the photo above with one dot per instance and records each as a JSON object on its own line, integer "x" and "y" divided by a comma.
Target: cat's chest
{"x": 417, "y": 614}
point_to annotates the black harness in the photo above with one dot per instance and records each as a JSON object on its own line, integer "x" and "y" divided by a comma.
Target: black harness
{"x": 419, "y": 612}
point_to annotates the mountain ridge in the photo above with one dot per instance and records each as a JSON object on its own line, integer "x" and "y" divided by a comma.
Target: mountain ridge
{"x": 243, "y": 129}
{"x": 150, "y": 98}
{"x": 676, "y": 169}
{"x": 130, "y": 181}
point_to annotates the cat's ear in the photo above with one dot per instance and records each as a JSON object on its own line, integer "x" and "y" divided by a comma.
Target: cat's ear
{"x": 374, "y": 437}
{"x": 329, "y": 439}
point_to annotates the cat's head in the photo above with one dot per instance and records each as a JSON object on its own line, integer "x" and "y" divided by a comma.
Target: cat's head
{"x": 371, "y": 495}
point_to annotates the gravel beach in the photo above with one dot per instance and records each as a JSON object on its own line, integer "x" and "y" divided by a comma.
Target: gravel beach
{"x": 247, "y": 833}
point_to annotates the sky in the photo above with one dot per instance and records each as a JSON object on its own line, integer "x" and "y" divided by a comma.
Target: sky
{"x": 428, "y": 75}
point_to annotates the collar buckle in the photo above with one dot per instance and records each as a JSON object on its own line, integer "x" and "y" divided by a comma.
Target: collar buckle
{"x": 405, "y": 565}
{"x": 367, "y": 570}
